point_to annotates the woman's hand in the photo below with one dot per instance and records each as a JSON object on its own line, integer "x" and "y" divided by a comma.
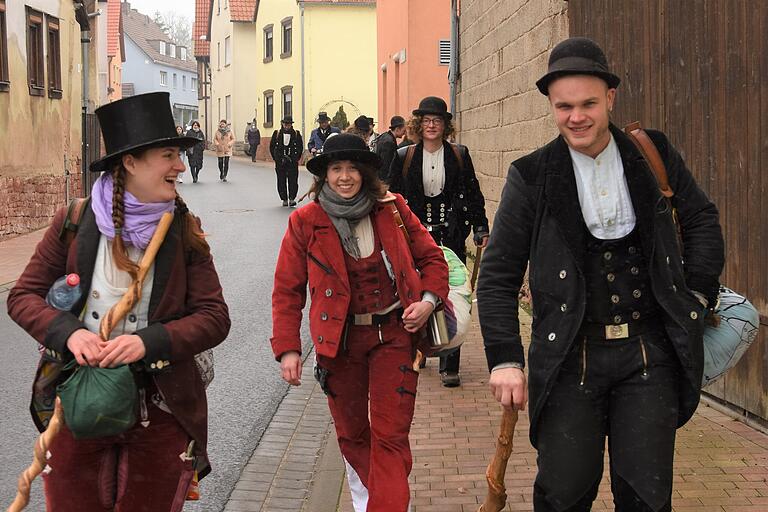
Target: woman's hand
{"x": 125, "y": 349}
{"x": 416, "y": 315}
{"x": 86, "y": 347}
{"x": 290, "y": 368}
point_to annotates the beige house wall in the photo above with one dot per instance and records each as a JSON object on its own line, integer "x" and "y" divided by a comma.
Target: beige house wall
{"x": 503, "y": 50}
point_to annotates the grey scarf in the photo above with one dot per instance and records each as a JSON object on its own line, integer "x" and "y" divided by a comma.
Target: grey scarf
{"x": 345, "y": 214}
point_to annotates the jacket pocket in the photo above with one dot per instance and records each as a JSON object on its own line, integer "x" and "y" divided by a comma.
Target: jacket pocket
{"x": 319, "y": 263}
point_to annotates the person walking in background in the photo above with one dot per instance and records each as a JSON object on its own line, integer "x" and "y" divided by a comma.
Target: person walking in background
{"x": 195, "y": 153}
{"x": 409, "y": 138}
{"x": 182, "y": 155}
{"x": 440, "y": 186}
{"x": 367, "y": 301}
{"x": 386, "y": 145}
{"x": 253, "y": 136}
{"x": 373, "y": 135}
{"x": 286, "y": 148}
{"x": 149, "y": 357}
{"x": 223, "y": 142}
{"x": 362, "y": 128}
{"x": 320, "y": 134}
{"x": 618, "y": 303}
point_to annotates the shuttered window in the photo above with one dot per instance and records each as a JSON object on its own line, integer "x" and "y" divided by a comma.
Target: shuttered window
{"x": 4, "y": 77}
{"x": 35, "y": 54}
{"x": 54, "y": 57}
{"x": 445, "y": 52}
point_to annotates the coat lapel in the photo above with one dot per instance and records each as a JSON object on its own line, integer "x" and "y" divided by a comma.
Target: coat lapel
{"x": 415, "y": 174}
{"x": 562, "y": 199}
{"x": 327, "y": 239}
{"x": 87, "y": 240}
{"x": 643, "y": 188}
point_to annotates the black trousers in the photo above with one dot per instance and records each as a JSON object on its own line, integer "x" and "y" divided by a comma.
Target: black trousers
{"x": 625, "y": 390}
{"x": 223, "y": 167}
{"x": 195, "y": 172}
{"x": 452, "y": 362}
{"x": 254, "y": 149}
{"x": 287, "y": 180}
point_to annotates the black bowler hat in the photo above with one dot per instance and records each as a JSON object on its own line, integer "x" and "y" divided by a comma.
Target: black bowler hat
{"x": 434, "y": 106}
{"x": 287, "y": 120}
{"x": 362, "y": 123}
{"x": 577, "y": 56}
{"x": 396, "y": 122}
{"x": 323, "y": 116}
{"x": 138, "y": 122}
{"x": 344, "y": 146}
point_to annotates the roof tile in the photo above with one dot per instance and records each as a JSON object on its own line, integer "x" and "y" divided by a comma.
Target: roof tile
{"x": 201, "y": 28}
{"x": 242, "y": 10}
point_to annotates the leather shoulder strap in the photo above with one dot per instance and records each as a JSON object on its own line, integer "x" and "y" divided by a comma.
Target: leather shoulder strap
{"x": 651, "y": 154}
{"x": 399, "y": 220}
{"x": 408, "y": 159}
{"x": 459, "y": 157}
{"x": 72, "y": 221}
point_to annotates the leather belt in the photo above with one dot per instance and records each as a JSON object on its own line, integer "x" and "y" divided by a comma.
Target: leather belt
{"x": 433, "y": 227}
{"x": 615, "y": 331}
{"x": 374, "y": 319}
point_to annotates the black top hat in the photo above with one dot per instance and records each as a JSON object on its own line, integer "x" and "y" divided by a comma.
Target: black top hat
{"x": 434, "y": 106}
{"x": 362, "y": 123}
{"x": 287, "y": 120}
{"x": 345, "y": 146}
{"x": 137, "y": 122}
{"x": 577, "y": 56}
{"x": 323, "y": 116}
{"x": 396, "y": 122}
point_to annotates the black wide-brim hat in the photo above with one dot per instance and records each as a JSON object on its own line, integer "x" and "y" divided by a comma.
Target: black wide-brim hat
{"x": 434, "y": 106}
{"x": 577, "y": 56}
{"x": 138, "y": 122}
{"x": 344, "y": 146}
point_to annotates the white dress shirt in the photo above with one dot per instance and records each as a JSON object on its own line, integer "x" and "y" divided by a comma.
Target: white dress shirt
{"x": 603, "y": 193}
{"x": 433, "y": 172}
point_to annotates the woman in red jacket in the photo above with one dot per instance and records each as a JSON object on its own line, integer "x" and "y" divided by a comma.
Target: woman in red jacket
{"x": 368, "y": 299}
{"x": 181, "y": 312}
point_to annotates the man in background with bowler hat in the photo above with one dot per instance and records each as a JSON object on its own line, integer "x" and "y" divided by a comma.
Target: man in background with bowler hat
{"x": 438, "y": 180}
{"x": 286, "y": 148}
{"x": 618, "y": 306}
{"x": 386, "y": 144}
{"x": 321, "y": 133}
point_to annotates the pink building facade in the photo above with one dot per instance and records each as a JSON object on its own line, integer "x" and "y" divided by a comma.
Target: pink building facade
{"x": 413, "y": 55}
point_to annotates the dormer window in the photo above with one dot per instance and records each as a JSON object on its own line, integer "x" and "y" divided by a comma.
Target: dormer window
{"x": 162, "y": 47}
{"x": 172, "y": 53}
{"x": 183, "y": 53}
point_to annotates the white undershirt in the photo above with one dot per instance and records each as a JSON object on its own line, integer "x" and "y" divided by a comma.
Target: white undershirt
{"x": 433, "y": 172}
{"x": 603, "y": 193}
{"x": 286, "y": 139}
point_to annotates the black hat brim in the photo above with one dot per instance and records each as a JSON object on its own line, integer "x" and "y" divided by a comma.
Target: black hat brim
{"x": 319, "y": 163}
{"x": 105, "y": 162}
{"x": 544, "y": 82}
{"x": 423, "y": 112}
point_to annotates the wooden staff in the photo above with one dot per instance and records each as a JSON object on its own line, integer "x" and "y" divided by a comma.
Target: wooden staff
{"x": 496, "y": 498}
{"x": 132, "y": 296}
{"x": 114, "y": 316}
{"x": 476, "y": 267}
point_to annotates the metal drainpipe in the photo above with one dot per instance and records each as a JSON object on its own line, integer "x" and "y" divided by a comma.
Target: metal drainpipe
{"x": 454, "y": 68}
{"x": 303, "y": 92}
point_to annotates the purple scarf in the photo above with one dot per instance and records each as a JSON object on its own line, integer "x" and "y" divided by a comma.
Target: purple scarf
{"x": 140, "y": 218}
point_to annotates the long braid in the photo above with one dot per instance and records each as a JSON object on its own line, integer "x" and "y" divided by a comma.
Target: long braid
{"x": 193, "y": 236}
{"x": 119, "y": 252}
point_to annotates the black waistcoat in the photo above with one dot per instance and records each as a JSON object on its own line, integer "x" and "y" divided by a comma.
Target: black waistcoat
{"x": 618, "y": 282}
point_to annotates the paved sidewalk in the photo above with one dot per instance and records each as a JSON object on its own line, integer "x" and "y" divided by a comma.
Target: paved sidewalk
{"x": 721, "y": 465}
{"x": 14, "y": 255}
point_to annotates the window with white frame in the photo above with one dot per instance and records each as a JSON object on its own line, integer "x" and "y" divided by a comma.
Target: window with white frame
{"x": 172, "y": 52}
{"x": 162, "y": 48}
{"x": 164, "y": 78}
{"x": 287, "y": 100}
{"x": 193, "y": 86}
{"x": 227, "y": 51}
{"x": 183, "y": 53}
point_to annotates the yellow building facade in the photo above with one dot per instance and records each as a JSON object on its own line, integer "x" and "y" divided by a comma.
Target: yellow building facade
{"x": 286, "y": 57}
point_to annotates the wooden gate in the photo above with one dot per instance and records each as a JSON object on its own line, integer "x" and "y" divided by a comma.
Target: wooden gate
{"x": 698, "y": 70}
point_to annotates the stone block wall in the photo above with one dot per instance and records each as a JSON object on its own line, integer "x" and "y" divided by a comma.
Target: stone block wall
{"x": 503, "y": 50}
{"x": 28, "y": 203}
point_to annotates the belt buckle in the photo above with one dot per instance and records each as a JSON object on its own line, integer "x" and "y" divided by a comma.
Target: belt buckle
{"x": 429, "y": 228}
{"x": 364, "y": 319}
{"x": 616, "y": 332}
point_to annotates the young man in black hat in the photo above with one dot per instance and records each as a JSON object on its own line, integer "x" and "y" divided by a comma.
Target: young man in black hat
{"x": 616, "y": 345}
{"x": 286, "y": 148}
{"x": 386, "y": 145}
{"x": 320, "y": 134}
{"x": 438, "y": 180}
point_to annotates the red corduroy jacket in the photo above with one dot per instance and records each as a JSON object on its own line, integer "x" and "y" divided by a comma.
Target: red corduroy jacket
{"x": 311, "y": 254}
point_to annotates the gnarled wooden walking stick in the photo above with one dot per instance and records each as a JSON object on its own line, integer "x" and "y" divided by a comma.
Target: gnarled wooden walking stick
{"x": 108, "y": 322}
{"x": 496, "y": 498}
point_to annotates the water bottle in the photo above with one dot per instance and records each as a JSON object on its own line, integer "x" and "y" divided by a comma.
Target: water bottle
{"x": 65, "y": 292}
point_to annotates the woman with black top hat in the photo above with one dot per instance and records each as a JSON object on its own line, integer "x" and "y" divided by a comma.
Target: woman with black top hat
{"x": 440, "y": 186}
{"x": 367, "y": 300}
{"x": 180, "y": 313}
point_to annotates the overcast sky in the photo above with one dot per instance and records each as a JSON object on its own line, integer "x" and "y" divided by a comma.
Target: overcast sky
{"x": 181, "y": 7}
